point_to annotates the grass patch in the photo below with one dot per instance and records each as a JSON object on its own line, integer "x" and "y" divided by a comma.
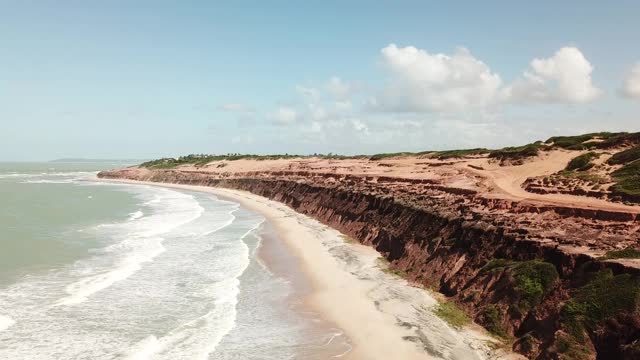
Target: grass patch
{"x": 582, "y": 162}
{"x": 349, "y": 239}
{"x": 627, "y": 253}
{"x": 627, "y": 179}
{"x": 577, "y": 142}
{"x": 624, "y": 157}
{"x": 448, "y": 154}
{"x": 386, "y": 268}
{"x": 604, "y": 296}
{"x": 585, "y": 176}
{"x": 390, "y": 155}
{"x": 203, "y": 159}
{"x": 452, "y": 314}
{"x": 442, "y": 155}
{"x": 517, "y": 152}
{"x": 619, "y": 139}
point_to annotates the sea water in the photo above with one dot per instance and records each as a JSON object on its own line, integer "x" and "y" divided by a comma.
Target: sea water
{"x": 95, "y": 270}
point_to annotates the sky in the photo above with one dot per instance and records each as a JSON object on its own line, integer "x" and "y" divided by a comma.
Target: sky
{"x": 148, "y": 79}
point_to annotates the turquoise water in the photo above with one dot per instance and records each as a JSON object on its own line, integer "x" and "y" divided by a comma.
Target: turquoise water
{"x": 94, "y": 270}
{"x": 45, "y": 210}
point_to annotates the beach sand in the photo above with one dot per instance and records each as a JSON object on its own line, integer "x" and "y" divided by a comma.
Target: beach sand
{"x": 383, "y": 316}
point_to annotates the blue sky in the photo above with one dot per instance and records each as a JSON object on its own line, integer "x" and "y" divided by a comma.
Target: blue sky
{"x": 143, "y": 79}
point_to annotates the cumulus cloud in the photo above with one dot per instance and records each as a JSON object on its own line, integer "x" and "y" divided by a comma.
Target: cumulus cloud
{"x": 420, "y": 81}
{"x": 284, "y": 116}
{"x": 564, "y": 77}
{"x": 340, "y": 89}
{"x": 631, "y": 87}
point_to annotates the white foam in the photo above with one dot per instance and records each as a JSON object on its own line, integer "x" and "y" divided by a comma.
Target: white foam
{"x": 5, "y": 322}
{"x": 46, "y": 181}
{"x": 142, "y": 244}
{"x": 51, "y": 177}
{"x": 199, "y": 337}
{"x": 144, "y": 349}
{"x": 135, "y": 215}
{"x": 184, "y": 272}
{"x": 81, "y": 290}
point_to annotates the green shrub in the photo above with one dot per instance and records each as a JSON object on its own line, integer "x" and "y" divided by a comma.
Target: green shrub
{"x": 602, "y": 297}
{"x": 493, "y": 321}
{"x": 582, "y": 162}
{"x": 526, "y": 343}
{"x": 517, "y": 152}
{"x": 627, "y": 179}
{"x": 459, "y": 153}
{"x": 625, "y": 156}
{"x": 534, "y": 279}
{"x": 570, "y": 349}
{"x": 203, "y": 159}
{"x": 576, "y": 142}
{"x": 627, "y": 253}
{"x": 389, "y": 155}
{"x": 619, "y": 139}
{"x": 629, "y": 170}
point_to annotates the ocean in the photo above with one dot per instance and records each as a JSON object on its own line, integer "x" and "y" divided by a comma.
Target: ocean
{"x": 95, "y": 270}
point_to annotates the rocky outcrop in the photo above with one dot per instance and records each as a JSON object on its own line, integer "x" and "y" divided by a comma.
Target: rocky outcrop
{"x": 505, "y": 262}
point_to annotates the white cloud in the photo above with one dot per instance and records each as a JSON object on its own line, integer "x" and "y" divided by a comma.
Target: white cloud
{"x": 564, "y": 77}
{"x": 343, "y": 105}
{"x": 284, "y": 115}
{"x": 631, "y": 87}
{"x": 308, "y": 91}
{"x": 243, "y": 139}
{"x": 421, "y": 82}
{"x": 360, "y": 126}
{"x": 340, "y": 89}
{"x": 236, "y": 107}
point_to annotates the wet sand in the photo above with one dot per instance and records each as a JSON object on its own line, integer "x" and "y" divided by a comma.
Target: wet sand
{"x": 325, "y": 339}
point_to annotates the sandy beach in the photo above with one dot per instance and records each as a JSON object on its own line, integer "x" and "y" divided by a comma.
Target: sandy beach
{"x": 383, "y": 316}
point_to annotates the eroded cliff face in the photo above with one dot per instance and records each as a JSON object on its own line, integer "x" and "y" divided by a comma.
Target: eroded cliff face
{"x": 554, "y": 302}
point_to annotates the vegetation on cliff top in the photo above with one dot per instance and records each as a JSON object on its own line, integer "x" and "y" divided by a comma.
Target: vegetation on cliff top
{"x": 627, "y": 180}
{"x": 625, "y": 156}
{"x": 582, "y": 162}
{"x": 580, "y": 142}
{"x": 203, "y": 159}
{"x": 441, "y": 155}
{"x": 627, "y": 253}
{"x": 448, "y": 154}
{"x": 517, "y": 152}
{"x": 577, "y": 142}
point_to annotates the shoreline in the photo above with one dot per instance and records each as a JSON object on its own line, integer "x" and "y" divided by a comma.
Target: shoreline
{"x": 274, "y": 255}
{"x": 383, "y": 316}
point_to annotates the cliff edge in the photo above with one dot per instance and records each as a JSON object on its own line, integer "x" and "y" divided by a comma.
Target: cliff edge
{"x": 540, "y": 244}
